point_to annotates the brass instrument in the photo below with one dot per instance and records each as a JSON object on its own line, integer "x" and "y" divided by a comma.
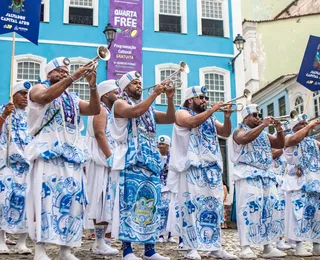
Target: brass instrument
{"x": 286, "y": 119}
{"x": 238, "y": 106}
{"x": 103, "y": 53}
{"x": 169, "y": 81}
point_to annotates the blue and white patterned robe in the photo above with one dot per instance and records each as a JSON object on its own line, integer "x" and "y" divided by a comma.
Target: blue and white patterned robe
{"x": 137, "y": 158}
{"x": 56, "y": 196}
{"x": 303, "y": 193}
{"x": 13, "y": 184}
{"x": 197, "y": 163}
{"x": 258, "y": 212}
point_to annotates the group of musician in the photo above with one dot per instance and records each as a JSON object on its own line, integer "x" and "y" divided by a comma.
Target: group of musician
{"x": 138, "y": 188}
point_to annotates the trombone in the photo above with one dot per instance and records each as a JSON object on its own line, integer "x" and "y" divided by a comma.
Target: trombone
{"x": 285, "y": 119}
{"x": 237, "y": 106}
{"x": 173, "y": 83}
{"x": 103, "y": 53}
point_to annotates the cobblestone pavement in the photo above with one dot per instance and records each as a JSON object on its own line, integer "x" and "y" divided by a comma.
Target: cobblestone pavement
{"x": 230, "y": 242}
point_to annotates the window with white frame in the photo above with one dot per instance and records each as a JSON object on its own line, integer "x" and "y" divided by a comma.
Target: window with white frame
{"x": 44, "y": 11}
{"x": 217, "y": 81}
{"x": 316, "y": 102}
{"x": 298, "y": 105}
{"x": 170, "y": 16}
{"x": 81, "y": 86}
{"x": 213, "y": 18}
{"x": 81, "y": 12}
{"x": 29, "y": 67}
{"x": 162, "y": 73}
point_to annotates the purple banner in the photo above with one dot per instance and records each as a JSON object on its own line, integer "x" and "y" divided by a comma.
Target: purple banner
{"x": 126, "y": 49}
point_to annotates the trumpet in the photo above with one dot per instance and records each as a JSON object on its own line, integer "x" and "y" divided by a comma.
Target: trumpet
{"x": 103, "y": 53}
{"x": 238, "y": 106}
{"x": 173, "y": 83}
{"x": 285, "y": 119}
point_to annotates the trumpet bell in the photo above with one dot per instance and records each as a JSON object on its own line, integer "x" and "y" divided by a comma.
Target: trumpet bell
{"x": 184, "y": 67}
{"x": 103, "y": 53}
{"x": 294, "y": 115}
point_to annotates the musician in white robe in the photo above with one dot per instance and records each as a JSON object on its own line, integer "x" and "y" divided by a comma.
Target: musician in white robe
{"x": 302, "y": 186}
{"x": 98, "y": 169}
{"x": 258, "y": 221}
{"x": 279, "y": 168}
{"x": 168, "y": 198}
{"x": 196, "y": 162}
{"x": 13, "y": 173}
{"x": 56, "y": 195}
{"x": 136, "y": 160}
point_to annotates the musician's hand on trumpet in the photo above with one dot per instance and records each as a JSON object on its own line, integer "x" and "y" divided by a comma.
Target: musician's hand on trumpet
{"x": 215, "y": 107}
{"x": 314, "y": 123}
{"x": 91, "y": 77}
{"x": 227, "y": 110}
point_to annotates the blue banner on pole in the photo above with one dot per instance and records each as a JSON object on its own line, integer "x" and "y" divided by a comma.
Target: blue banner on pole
{"x": 309, "y": 74}
{"x": 22, "y": 17}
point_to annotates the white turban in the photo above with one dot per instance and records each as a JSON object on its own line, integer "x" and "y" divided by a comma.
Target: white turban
{"x": 248, "y": 110}
{"x": 21, "y": 85}
{"x": 164, "y": 139}
{"x": 195, "y": 91}
{"x": 127, "y": 78}
{"x": 56, "y": 63}
{"x": 301, "y": 117}
{"x": 106, "y": 87}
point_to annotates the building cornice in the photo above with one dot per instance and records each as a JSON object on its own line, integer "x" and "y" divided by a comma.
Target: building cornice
{"x": 95, "y": 45}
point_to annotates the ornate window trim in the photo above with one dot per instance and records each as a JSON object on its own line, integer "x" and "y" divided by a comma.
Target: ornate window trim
{"x": 30, "y": 58}
{"x": 95, "y": 7}
{"x": 220, "y": 71}
{"x": 170, "y": 66}
{"x": 183, "y": 14}
{"x": 225, "y": 15}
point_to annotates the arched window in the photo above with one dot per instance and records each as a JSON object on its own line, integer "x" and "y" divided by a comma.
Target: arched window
{"x": 81, "y": 87}
{"x": 29, "y": 67}
{"x": 217, "y": 81}
{"x": 162, "y": 72}
{"x": 298, "y": 104}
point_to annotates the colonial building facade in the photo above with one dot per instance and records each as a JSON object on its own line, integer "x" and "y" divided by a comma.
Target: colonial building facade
{"x": 198, "y": 32}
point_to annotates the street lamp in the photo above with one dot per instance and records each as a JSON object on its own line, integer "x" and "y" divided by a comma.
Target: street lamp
{"x": 239, "y": 42}
{"x": 110, "y": 34}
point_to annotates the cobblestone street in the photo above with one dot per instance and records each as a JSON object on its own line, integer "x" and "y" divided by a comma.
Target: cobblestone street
{"x": 230, "y": 243}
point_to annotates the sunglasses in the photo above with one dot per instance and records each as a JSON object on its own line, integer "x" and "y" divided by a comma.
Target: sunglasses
{"x": 203, "y": 97}
{"x": 257, "y": 115}
{"x": 62, "y": 71}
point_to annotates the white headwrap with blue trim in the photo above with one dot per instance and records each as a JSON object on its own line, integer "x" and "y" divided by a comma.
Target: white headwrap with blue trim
{"x": 106, "y": 86}
{"x": 195, "y": 91}
{"x": 164, "y": 139}
{"x": 252, "y": 108}
{"x": 56, "y": 63}
{"x": 127, "y": 78}
{"x": 21, "y": 85}
{"x": 301, "y": 117}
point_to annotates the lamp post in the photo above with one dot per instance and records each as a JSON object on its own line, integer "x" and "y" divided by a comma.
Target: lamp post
{"x": 110, "y": 34}
{"x": 239, "y": 42}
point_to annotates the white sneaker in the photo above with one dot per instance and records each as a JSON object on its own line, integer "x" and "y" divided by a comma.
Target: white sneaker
{"x": 273, "y": 253}
{"x": 282, "y": 245}
{"x": 182, "y": 247}
{"x": 131, "y": 256}
{"x": 247, "y": 253}
{"x": 316, "y": 249}
{"x": 22, "y": 250}
{"x": 221, "y": 254}
{"x": 193, "y": 254}
{"x": 107, "y": 250}
{"x": 161, "y": 240}
{"x": 156, "y": 256}
{"x": 4, "y": 250}
{"x": 171, "y": 240}
{"x": 67, "y": 256}
{"x": 301, "y": 251}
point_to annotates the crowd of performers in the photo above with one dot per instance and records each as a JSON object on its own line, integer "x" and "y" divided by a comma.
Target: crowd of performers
{"x": 136, "y": 188}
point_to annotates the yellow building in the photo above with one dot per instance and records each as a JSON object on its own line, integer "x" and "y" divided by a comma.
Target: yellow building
{"x": 275, "y": 46}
